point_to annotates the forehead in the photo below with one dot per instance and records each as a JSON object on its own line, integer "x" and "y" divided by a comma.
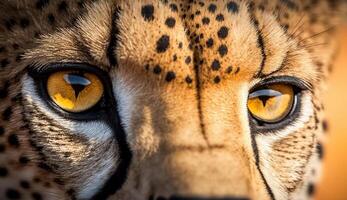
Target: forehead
{"x": 178, "y": 40}
{"x": 221, "y": 39}
{"x": 216, "y": 37}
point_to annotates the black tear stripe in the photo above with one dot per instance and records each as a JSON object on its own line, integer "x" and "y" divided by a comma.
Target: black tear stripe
{"x": 256, "y": 155}
{"x": 118, "y": 178}
{"x": 113, "y": 37}
{"x": 261, "y": 45}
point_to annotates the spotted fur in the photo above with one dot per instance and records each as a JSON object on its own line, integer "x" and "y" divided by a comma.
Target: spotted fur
{"x": 178, "y": 76}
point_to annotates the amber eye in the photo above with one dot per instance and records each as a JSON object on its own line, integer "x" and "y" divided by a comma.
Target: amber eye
{"x": 74, "y": 91}
{"x": 272, "y": 103}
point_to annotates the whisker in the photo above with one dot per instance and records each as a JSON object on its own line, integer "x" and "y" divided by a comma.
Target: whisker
{"x": 318, "y": 34}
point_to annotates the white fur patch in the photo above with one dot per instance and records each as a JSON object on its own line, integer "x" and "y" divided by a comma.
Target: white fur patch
{"x": 265, "y": 142}
{"x": 96, "y": 180}
{"x": 95, "y": 131}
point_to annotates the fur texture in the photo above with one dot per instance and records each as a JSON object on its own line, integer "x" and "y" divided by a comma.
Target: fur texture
{"x": 179, "y": 76}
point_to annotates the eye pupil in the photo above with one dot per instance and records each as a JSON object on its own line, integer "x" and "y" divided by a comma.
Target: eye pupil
{"x": 264, "y": 99}
{"x": 77, "y": 81}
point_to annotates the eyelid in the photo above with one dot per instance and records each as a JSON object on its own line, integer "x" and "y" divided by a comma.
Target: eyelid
{"x": 44, "y": 71}
{"x": 290, "y": 80}
{"x": 261, "y": 92}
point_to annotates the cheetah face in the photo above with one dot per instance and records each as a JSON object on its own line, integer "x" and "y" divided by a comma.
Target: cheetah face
{"x": 178, "y": 99}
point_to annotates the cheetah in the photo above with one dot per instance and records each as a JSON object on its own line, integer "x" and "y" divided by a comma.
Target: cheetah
{"x": 170, "y": 99}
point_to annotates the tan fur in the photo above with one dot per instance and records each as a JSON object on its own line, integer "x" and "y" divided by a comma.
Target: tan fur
{"x": 186, "y": 124}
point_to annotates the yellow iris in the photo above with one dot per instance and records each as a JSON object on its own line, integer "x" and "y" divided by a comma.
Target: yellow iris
{"x": 271, "y": 104}
{"x": 74, "y": 91}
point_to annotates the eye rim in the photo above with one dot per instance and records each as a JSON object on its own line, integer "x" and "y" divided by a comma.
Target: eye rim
{"x": 299, "y": 88}
{"x": 96, "y": 112}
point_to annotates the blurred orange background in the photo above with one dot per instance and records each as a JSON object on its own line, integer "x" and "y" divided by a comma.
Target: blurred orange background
{"x": 334, "y": 180}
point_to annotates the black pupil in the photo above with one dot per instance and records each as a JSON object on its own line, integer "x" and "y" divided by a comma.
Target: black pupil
{"x": 77, "y": 81}
{"x": 264, "y": 99}
{"x": 265, "y": 94}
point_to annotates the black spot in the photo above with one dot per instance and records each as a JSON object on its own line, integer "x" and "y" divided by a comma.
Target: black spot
{"x": 41, "y": 4}
{"x": 71, "y": 192}
{"x": 223, "y": 50}
{"x": 188, "y": 80}
{"x": 147, "y": 12}
{"x": 325, "y": 126}
{"x": 6, "y": 115}
{"x": 24, "y": 23}
{"x": 18, "y": 58}
{"x": 12, "y": 194}
{"x": 13, "y": 140}
{"x": 170, "y": 76}
{"x": 80, "y": 4}
{"x": 4, "y": 63}
{"x": 233, "y": 7}
{"x": 37, "y": 180}
{"x": 311, "y": 189}
{"x": 174, "y": 58}
{"x": 215, "y": 65}
{"x": 170, "y": 22}
{"x": 2, "y": 131}
{"x": 220, "y": 17}
{"x": 320, "y": 150}
{"x": 58, "y": 181}
{"x": 223, "y": 32}
{"x": 212, "y": 8}
{"x": 3, "y": 172}
{"x": 24, "y": 184}
{"x": 37, "y": 35}
{"x": 180, "y": 45}
{"x": 2, "y": 148}
{"x": 237, "y": 70}
{"x": 209, "y": 43}
{"x": 2, "y": 49}
{"x": 9, "y": 24}
{"x": 188, "y": 60}
{"x": 290, "y": 4}
{"x": 157, "y": 69}
{"x": 205, "y": 20}
{"x": 36, "y": 196}
{"x": 192, "y": 16}
{"x": 44, "y": 166}
{"x": 173, "y": 7}
{"x": 23, "y": 160}
{"x": 15, "y": 46}
{"x": 51, "y": 19}
{"x": 216, "y": 79}
{"x": 229, "y": 69}
{"x": 62, "y": 6}
{"x": 164, "y": 1}
{"x": 285, "y": 27}
{"x": 163, "y": 43}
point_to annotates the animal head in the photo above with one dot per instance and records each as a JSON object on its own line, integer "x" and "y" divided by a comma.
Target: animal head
{"x": 163, "y": 99}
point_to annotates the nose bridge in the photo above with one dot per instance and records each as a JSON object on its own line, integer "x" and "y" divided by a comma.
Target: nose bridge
{"x": 214, "y": 165}
{"x": 222, "y": 168}
{"x": 189, "y": 164}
